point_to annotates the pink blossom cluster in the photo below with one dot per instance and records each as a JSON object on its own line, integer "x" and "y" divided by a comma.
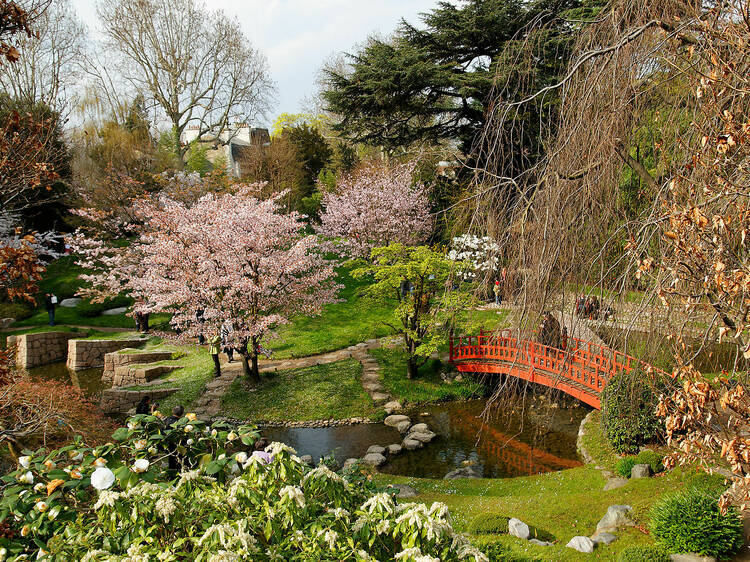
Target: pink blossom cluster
{"x": 375, "y": 206}
{"x": 233, "y": 257}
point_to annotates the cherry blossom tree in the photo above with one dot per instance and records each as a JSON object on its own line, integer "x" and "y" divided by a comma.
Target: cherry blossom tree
{"x": 233, "y": 256}
{"x": 375, "y": 206}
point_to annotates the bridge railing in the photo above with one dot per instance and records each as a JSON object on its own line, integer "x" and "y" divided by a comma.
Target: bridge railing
{"x": 588, "y": 364}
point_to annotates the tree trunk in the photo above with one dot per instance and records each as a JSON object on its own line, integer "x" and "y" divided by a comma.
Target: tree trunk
{"x": 412, "y": 369}
{"x": 251, "y": 372}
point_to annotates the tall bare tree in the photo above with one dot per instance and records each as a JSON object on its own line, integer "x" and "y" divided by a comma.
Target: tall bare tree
{"x": 196, "y": 65}
{"x": 51, "y": 56}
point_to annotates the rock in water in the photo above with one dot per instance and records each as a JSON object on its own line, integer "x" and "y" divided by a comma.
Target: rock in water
{"x": 404, "y": 426}
{"x": 394, "y": 449}
{"x": 466, "y": 472}
{"x": 395, "y": 419}
{"x": 518, "y": 528}
{"x": 581, "y": 544}
{"x": 307, "y": 459}
{"x": 411, "y": 444}
{"x": 419, "y": 428}
{"x": 616, "y": 516}
{"x": 376, "y": 449}
{"x": 423, "y": 436}
{"x": 640, "y": 471}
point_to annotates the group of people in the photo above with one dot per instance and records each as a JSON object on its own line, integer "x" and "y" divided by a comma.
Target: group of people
{"x": 146, "y": 407}
{"x": 550, "y": 333}
{"x": 590, "y": 307}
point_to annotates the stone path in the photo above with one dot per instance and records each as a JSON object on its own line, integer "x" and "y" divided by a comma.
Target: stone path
{"x": 208, "y": 404}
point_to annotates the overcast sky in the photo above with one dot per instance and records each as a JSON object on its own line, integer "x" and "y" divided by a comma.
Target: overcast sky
{"x": 298, "y": 35}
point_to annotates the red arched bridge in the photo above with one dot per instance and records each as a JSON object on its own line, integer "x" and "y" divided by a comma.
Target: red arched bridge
{"x": 580, "y": 370}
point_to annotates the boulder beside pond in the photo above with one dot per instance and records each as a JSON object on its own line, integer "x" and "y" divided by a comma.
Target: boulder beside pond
{"x": 640, "y": 471}
{"x": 395, "y": 419}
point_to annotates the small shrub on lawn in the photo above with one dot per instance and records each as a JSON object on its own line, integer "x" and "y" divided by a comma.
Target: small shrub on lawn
{"x": 628, "y": 404}
{"x": 690, "y": 521}
{"x": 651, "y": 458}
{"x": 497, "y": 552}
{"x": 625, "y": 465}
{"x": 489, "y": 524}
{"x": 643, "y": 554}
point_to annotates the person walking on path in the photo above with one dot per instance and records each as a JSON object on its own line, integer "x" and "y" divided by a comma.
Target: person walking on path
{"x": 498, "y": 297}
{"x": 213, "y": 350}
{"x": 50, "y": 301}
{"x": 226, "y": 343}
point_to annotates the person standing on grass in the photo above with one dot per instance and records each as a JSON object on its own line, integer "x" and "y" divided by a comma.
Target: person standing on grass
{"x": 50, "y": 301}
{"x": 213, "y": 350}
{"x": 496, "y": 289}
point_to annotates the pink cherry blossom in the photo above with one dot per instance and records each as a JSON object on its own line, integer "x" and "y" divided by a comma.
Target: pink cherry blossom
{"x": 232, "y": 256}
{"x": 375, "y": 206}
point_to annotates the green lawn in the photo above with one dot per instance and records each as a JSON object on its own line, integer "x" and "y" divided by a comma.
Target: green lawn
{"x": 561, "y": 504}
{"x": 332, "y": 391}
{"x": 429, "y": 387}
{"x": 196, "y": 370}
{"x": 351, "y": 321}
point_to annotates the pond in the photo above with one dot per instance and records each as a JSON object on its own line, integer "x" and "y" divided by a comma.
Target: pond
{"x": 503, "y": 445}
{"x": 89, "y": 380}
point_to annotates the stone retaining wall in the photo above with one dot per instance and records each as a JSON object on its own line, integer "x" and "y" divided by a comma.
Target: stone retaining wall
{"x": 89, "y": 354}
{"x": 115, "y": 401}
{"x": 120, "y": 362}
{"x": 34, "y": 350}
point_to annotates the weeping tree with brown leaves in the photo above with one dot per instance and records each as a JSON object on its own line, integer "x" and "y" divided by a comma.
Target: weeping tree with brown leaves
{"x": 644, "y": 187}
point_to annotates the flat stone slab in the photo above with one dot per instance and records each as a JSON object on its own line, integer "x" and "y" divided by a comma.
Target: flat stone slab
{"x": 581, "y": 544}
{"x": 394, "y": 449}
{"x": 395, "y": 419}
{"x": 115, "y": 311}
{"x": 375, "y": 459}
{"x": 376, "y": 449}
{"x": 411, "y": 444}
{"x": 518, "y": 528}
{"x": 688, "y": 557}
{"x": 380, "y": 397}
{"x": 614, "y": 483}
{"x": 540, "y": 543}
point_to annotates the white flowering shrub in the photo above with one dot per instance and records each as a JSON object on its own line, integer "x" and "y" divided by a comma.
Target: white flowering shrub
{"x": 122, "y": 502}
{"x": 479, "y": 254}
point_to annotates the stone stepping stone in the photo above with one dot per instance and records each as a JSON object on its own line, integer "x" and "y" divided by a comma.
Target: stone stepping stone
{"x": 393, "y": 407}
{"x": 404, "y": 426}
{"x": 376, "y": 449}
{"x": 411, "y": 444}
{"x": 374, "y": 459}
{"x": 380, "y": 397}
{"x": 395, "y": 419}
{"x": 393, "y": 449}
{"x": 423, "y": 437}
{"x": 419, "y": 428}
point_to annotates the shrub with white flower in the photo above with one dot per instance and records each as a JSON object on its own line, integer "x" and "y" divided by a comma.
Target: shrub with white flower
{"x": 480, "y": 254}
{"x": 219, "y": 505}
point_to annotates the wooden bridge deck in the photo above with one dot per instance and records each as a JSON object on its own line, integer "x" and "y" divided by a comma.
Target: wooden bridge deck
{"x": 581, "y": 370}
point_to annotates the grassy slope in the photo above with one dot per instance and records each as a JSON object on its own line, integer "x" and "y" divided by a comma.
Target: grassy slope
{"x": 427, "y": 388}
{"x": 351, "y": 321}
{"x": 564, "y": 504}
{"x": 332, "y": 391}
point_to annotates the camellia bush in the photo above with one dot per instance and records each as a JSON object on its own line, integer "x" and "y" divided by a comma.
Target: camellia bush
{"x": 122, "y": 502}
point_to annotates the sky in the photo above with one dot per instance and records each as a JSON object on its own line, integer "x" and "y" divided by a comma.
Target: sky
{"x": 297, "y": 36}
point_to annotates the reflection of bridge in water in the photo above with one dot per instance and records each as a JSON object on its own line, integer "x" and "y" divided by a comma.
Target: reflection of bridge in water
{"x": 521, "y": 457}
{"x": 580, "y": 371}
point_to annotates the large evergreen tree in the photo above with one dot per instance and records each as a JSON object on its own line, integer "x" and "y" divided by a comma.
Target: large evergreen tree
{"x": 431, "y": 82}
